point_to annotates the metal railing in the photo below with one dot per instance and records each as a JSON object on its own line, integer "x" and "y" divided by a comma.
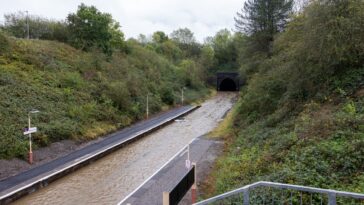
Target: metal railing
{"x": 277, "y": 193}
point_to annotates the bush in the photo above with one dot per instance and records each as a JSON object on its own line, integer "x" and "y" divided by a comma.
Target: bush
{"x": 321, "y": 48}
{"x": 81, "y": 95}
{"x": 167, "y": 95}
{"x": 39, "y": 27}
{"x": 300, "y": 118}
{"x": 4, "y": 44}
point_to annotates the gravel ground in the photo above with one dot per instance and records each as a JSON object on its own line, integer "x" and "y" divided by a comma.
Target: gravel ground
{"x": 112, "y": 178}
{"x": 41, "y": 156}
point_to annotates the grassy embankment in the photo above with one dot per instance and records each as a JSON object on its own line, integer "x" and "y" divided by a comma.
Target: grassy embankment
{"x": 300, "y": 119}
{"x": 81, "y": 95}
{"x": 321, "y": 146}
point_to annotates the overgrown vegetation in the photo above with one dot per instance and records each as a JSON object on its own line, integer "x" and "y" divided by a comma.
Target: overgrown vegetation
{"x": 39, "y": 27}
{"x": 83, "y": 94}
{"x": 300, "y": 118}
{"x": 90, "y": 28}
{"x": 86, "y": 29}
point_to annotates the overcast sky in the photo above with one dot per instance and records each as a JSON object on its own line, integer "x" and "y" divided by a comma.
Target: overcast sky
{"x": 203, "y": 17}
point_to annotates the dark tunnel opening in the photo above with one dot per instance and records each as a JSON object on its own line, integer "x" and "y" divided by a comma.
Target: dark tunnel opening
{"x": 227, "y": 85}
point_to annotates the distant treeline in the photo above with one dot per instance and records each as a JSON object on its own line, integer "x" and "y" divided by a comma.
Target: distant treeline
{"x": 88, "y": 29}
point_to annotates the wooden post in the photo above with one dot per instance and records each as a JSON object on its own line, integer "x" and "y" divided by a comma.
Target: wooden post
{"x": 194, "y": 187}
{"x": 165, "y": 198}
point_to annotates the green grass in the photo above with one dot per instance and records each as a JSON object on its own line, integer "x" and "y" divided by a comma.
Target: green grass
{"x": 322, "y": 146}
{"x": 226, "y": 127}
{"x": 81, "y": 95}
{"x": 300, "y": 118}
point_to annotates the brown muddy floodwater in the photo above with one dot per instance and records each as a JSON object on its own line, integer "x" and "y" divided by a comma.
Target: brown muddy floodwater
{"x": 110, "y": 179}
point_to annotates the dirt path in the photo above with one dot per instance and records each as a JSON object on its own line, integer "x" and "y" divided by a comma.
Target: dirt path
{"x": 110, "y": 179}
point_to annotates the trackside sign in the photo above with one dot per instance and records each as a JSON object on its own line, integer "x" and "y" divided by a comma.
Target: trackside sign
{"x": 30, "y": 131}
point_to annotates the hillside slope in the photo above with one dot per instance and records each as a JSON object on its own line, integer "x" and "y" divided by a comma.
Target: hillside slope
{"x": 300, "y": 120}
{"x": 81, "y": 95}
{"x": 322, "y": 146}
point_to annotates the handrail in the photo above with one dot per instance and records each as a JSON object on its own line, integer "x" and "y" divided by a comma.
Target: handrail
{"x": 245, "y": 190}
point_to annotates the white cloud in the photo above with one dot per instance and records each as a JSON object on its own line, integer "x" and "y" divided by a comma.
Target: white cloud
{"x": 203, "y": 17}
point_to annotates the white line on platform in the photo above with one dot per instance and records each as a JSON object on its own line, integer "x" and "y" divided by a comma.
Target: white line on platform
{"x": 83, "y": 158}
{"x": 155, "y": 173}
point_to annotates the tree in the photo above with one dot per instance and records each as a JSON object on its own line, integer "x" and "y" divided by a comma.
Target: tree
{"x": 185, "y": 39}
{"x": 183, "y": 36}
{"x": 117, "y": 40}
{"x": 143, "y": 39}
{"x": 4, "y": 43}
{"x": 207, "y": 56}
{"x": 170, "y": 50}
{"x": 262, "y": 19}
{"x": 91, "y": 28}
{"x": 224, "y": 51}
{"x": 39, "y": 27}
{"x": 190, "y": 73}
{"x": 159, "y": 37}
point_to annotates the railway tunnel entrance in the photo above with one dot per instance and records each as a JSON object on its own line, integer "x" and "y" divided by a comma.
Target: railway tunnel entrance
{"x": 227, "y": 85}
{"x": 227, "y": 81}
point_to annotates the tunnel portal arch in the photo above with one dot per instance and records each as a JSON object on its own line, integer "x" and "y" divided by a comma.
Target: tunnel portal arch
{"x": 227, "y": 81}
{"x": 227, "y": 85}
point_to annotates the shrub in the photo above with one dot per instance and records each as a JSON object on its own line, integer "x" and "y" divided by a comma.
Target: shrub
{"x": 4, "y": 44}
{"x": 81, "y": 95}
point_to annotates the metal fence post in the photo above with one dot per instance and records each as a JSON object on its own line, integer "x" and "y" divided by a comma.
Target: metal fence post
{"x": 246, "y": 196}
{"x": 332, "y": 198}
